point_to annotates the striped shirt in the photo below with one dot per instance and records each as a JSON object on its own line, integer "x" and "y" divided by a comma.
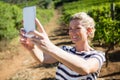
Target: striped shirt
{"x": 64, "y": 73}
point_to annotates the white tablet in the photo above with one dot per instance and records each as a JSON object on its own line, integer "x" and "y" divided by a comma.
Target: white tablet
{"x": 29, "y": 15}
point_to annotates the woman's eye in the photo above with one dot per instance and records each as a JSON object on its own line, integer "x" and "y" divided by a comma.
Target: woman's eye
{"x": 78, "y": 28}
{"x": 70, "y": 28}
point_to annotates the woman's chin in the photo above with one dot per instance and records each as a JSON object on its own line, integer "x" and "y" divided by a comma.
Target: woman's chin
{"x": 74, "y": 41}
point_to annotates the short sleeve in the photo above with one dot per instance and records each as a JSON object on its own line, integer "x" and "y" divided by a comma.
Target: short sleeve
{"x": 100, "y": 56}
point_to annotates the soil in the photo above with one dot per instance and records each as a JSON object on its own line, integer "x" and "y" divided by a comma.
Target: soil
{"x": 22, "y": 66}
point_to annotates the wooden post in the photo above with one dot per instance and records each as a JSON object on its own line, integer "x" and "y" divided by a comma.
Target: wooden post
{"x": 112, "y": 9}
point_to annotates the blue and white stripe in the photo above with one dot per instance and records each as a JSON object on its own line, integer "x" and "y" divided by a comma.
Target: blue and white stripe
{"x": 64, "y": 73}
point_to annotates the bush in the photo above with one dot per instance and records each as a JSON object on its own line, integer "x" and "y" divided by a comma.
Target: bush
{"x": 44, "y": 15}
{"x": 10, "y": 20}
{"x": 108, "y": 30}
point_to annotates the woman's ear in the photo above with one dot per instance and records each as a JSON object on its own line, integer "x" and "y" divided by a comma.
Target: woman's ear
{"x": 89, "y": 30}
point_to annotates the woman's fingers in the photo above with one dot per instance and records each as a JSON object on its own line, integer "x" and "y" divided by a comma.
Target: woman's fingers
{"x": 22, "y": 30}
{"x": 24, "y": 40}
{"x": 36, "y": 34}
{"x": 22, "y": 35}
{"x": 40, "y": 27}
{"x": 26, "y": 43}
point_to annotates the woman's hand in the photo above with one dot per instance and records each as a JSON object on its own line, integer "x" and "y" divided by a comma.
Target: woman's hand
{"x": 40, "y": 37}
{"x": 26, "y": 42}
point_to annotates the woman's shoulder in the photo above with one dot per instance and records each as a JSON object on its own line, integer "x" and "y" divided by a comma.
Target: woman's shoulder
{"x": 98, "y": 52}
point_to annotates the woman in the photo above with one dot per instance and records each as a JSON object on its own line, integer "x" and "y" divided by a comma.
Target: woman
{"x": 80, "y": 62}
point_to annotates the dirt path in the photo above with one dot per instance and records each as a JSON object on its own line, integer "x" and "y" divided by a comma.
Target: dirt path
{"x": 52, "y": 25}
{"x": 20, "y": 63}
{"x": 10, "y": 66}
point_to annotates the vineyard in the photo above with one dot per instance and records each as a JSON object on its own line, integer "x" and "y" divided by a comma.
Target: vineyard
{"x": 106, "y": 14}
{"x": 107, "y": 28}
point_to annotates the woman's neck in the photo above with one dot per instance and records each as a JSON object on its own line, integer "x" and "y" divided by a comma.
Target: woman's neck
{"x": 83, "y": 46}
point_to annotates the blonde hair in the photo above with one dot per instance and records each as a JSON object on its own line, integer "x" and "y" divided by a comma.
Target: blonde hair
{"x": 86, "y": 22}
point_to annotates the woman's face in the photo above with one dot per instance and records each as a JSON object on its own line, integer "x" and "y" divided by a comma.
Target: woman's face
{"x": 77, "y": 32}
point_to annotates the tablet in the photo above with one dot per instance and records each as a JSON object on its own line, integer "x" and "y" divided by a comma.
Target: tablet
{"x": 29, "y": 15}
